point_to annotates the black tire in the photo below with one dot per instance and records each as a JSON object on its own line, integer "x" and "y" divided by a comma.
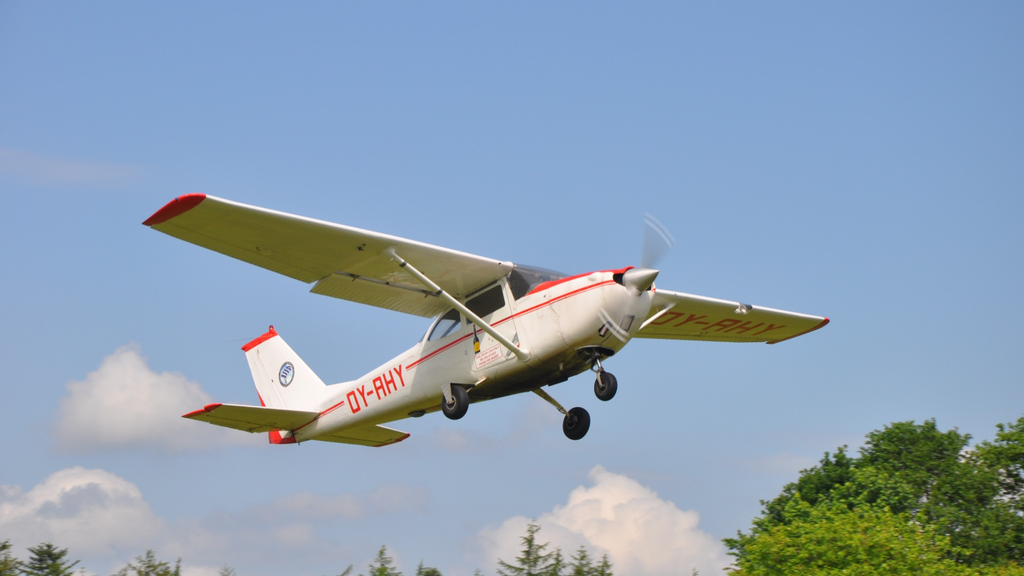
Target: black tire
{"x": 576, "y": 423}
{"x": 459, "y": 405}
{"x": 605, "y": 386}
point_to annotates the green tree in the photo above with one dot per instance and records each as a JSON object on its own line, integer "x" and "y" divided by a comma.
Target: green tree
{"x": 917, "y": 474}
{"x": 557, "y": 566}
{"x": 226, "y": 571}
{"x": 1004, "y": 457}
{"x": 148, "y": 565}
{"x": 48, "y": 560}
{"x": 382, "y": 564}
{"x": 604, "y": 568}
{"x": 831, "y": 539}
{"x": 581, "y": 565}
{"x": 532, "y": 560}
{"x": 422, "y": 570}
{"x": 8, "y": 563}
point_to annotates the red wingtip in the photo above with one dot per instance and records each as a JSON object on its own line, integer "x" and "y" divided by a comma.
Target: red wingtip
{"x": 821, "y": 324}
{"x": 270, "y": 334}
{"x": 205, "y": 409}
{"x": 175, "y": 207}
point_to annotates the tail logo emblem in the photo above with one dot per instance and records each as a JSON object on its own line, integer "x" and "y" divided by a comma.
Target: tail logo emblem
{"x": 287, "y": 374}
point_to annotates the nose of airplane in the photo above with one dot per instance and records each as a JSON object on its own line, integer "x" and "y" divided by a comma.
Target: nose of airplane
{"x": 639, "y": 279}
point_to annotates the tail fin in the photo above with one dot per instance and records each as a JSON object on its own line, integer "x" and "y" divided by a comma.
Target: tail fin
{"x": 282, "y": 379}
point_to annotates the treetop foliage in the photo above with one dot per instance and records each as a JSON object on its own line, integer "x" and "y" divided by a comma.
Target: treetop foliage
{"x": 534, "y": 561}
{"x": 916, "y": 500}
{"x": 8, "y": 563}
{"x": 148, "y": 565}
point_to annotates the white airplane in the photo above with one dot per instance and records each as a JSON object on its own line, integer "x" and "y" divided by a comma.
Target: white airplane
{"x": 499, "y": 328}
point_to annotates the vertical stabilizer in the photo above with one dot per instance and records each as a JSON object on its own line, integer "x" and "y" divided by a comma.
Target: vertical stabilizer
{"x": 282, "y": 379}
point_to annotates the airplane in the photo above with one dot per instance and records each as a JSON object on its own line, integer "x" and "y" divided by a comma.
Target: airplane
{"x": 498, "y": 328}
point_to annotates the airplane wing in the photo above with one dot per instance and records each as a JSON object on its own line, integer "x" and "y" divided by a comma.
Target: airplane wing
{"x": 252, "y": 418}
{"x": 344, "y": 262}
{"x": 368, "y": 436}
{"x": 679, "y": 316}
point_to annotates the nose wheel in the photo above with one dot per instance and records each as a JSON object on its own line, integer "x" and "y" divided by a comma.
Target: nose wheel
{"x": 576, "y": 421}
{"x": 605, "y": 385}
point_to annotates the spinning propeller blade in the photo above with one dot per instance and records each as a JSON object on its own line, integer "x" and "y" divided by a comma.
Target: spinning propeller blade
{"x": 657, "y": 242}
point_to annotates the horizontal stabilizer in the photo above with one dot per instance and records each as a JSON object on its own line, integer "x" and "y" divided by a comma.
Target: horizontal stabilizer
{"x": 253, "y": 418}
{"x": 367, "y": 436}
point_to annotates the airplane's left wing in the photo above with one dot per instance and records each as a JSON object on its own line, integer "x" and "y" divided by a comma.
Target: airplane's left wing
{"x": 344, "y": 262}
{"x": 679, "y": 316}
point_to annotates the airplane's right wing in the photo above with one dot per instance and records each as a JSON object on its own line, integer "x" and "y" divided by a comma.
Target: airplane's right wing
{"x": 678, "y": 316}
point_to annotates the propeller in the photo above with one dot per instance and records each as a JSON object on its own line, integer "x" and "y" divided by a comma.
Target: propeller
{"x": 657, "y": 242}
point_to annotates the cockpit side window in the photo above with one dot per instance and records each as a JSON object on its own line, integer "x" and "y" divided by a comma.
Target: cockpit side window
{"x": 446, "y": 326}
{"x": 488, "y": 302}
{"x": 522, "y": 279}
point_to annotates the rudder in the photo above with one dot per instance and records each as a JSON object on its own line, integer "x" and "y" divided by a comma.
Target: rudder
{"x": 282, "y": 379}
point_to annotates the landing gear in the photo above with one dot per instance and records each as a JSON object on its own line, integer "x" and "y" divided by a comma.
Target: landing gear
{"x": 455, "y": 407}
{"x": 606, "y": 385}
{"x": 576, "y": 423}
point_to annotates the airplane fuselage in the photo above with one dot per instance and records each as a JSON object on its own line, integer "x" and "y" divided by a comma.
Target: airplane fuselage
{"x": 562, "y": 324}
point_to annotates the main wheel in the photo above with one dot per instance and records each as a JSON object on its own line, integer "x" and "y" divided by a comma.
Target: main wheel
{"x": 605, "y": 386}
{"x": 457, "y": 407}
{"x": 576, "y": 423}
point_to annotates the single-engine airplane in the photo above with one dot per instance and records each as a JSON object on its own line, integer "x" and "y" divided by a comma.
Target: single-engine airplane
{"x": 499, "y": 328}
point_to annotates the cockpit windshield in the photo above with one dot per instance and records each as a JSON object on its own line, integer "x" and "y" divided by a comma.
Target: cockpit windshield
{"x": 522, "y": 279}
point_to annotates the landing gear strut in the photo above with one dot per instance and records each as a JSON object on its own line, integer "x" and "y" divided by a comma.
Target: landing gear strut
{"x": 606, "y": 385}
{"x": 576, "y": 421}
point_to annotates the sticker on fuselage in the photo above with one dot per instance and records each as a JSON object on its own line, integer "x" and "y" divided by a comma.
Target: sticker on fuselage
{"x": 492, "y": 354}
{"x": 287, "y": 374}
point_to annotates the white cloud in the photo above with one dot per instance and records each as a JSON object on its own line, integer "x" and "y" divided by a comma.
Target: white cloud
{"x": 125, "y": 404}
{"x": 36, "y": 169}
{"x": 104, "y": 521}
{"x": 642, "y": 534}
{"x": 92, "y": 512}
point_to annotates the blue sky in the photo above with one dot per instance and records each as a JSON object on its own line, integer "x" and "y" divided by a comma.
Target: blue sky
{"x": 862, "y": 162}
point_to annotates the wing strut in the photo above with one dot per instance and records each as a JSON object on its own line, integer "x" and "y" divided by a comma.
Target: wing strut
{"x": 520, "y": 353}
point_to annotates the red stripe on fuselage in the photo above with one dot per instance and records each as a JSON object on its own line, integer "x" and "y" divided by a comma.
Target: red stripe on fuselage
{"x": 552, "y": 283}
{"x": 518, "y": 314}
